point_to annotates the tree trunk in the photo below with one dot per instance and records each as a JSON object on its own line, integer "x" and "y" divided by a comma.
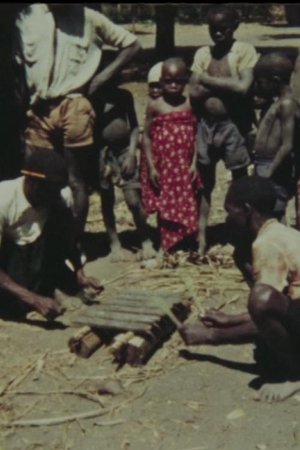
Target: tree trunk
{"x": 165, "y": 31}
{"x": 292, "y": 13}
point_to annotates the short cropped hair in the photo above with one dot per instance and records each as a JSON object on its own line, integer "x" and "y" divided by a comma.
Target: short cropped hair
{"x": 229, "y": 12}
{"x": 174, "y": 61}
{"x": 255, "y": 191}
{"x": 274, "y": 64}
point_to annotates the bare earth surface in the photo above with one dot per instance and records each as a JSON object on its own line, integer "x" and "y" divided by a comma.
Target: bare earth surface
{"x": 195, "y": 398}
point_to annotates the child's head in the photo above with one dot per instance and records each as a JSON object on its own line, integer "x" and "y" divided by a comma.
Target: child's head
{"x": 215, "y": 109}
{"x": 174, "y": 76}
{"x": 271, "y": 72}
{"x": 153, "y": 79}
{"x": 222, "y": 23}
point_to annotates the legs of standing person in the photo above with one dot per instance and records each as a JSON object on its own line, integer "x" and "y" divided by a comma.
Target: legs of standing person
{"x": 76, "y": 161}
{"x": 133, "y": 200}
{"x": 208, "y": 177}
{"x": 297, "y": 204}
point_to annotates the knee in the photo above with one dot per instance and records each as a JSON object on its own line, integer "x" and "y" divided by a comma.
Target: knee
{"x": 133, "y": 201}
{"x": 77, "y": 185}
{"x": 260, "y": 300}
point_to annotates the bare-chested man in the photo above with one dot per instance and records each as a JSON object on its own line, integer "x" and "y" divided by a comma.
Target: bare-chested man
{"x": 223, "y": 71}
{"x": 117, "y": 133}
{"x": 277, "y": 134}
{"x": 274, "y": 301}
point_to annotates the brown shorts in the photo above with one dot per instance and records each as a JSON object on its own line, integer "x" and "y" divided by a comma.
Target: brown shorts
{"x": 65, "y": 121}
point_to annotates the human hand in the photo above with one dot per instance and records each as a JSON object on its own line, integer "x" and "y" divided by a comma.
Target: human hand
{"x": 46, "y": 306}
{"x": 97, "y": 82}
{"x": 196, "y": 334}
{"x": 129, "y": 165}
{"x": 217, "y": 319}
{"x": 89, "y": 282}
{"x": 154, "y": 177}
{"x": 193, "y": 172}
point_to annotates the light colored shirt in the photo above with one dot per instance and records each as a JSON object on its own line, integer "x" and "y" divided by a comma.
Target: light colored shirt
{"x": 276, "y": 257}
{"x": 240, "y": 57}
{"x": 19, "y": 221}
{"x": 60, "y": 60}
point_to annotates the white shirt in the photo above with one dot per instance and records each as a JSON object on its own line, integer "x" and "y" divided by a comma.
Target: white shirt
{"x": 61, "y": 60}
{"x": 19, "y": 221}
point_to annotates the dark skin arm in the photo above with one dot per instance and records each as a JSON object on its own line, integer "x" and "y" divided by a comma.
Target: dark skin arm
{"x": 230, "y": 84}
{"x": 124, "y": 57}
{"x": 197, "y": 92}
{"x": 129, "y": 163}
{"x": 46, "y": 306}
{"x": 147, "y": 146}
{"x": 219, "y": 319}
{"x": 287, "y": 114}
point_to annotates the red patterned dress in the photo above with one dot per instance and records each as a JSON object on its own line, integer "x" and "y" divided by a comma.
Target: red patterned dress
{"x": 176, "y": 202}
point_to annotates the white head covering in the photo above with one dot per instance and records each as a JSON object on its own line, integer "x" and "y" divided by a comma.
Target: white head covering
{"x": 154, "y": 73}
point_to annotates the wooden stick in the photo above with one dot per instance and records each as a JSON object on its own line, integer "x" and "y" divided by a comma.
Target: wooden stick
{"x": 54, "y": 420}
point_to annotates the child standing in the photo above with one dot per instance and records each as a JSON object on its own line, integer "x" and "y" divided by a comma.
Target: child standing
{"x": 224, "y": 72}
{"x": 117, "y": 136}
{"x": 278, "y": 134}
{"x": 168, "y": 174}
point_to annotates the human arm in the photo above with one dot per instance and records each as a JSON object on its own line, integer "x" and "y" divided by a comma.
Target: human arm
{"x": 147, "y": 147}
{"x": 129, "y": 163}
{"x": 197, "y": 92}
{"x": 123, "y": 58}
{"x": 219, "y": 319}
{"x": 287, "y": 123}
{"x": 113, "y": 35}
{"x": 46, "y": 306}
{"x": 238, "y": 85}
{"x": 193, "y": 166}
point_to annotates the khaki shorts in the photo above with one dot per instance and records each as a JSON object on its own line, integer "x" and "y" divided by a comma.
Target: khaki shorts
{"x": 66, "y": 122}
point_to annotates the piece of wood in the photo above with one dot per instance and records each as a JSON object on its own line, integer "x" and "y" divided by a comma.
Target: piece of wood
{"x": 126, "y": 317}
{"x": 85, "y": 342}
{"x": 129, "y": 306}
{"x": 55, "y": 420}
{"x": 101, "y": 323}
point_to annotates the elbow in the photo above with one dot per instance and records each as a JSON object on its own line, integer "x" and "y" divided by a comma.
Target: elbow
{"x": 241, "y": 89}
{"x": 135, "y": 48}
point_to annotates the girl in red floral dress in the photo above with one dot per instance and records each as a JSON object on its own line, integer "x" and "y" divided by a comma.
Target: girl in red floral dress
{"x": 168, "y": 169}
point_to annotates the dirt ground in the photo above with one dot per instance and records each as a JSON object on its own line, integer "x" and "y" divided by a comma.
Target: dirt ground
{"x": 197, "y": 398}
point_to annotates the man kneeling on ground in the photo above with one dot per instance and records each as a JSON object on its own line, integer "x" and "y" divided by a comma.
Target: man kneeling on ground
{"x": 273, "y": 316}
{"x": 36, "y": 236}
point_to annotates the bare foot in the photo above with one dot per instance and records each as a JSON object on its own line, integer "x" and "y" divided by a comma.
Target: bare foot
{"x": 147, "y": 251}
{"x": 278, "y": 391}
{"x": 196, "y": 334}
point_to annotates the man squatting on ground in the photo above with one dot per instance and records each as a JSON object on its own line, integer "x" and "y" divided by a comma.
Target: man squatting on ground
{"x": 219, "y": 91}
{"x": 36, "y": 236}
{"x": 274, "y": 301}
{"x": 60, "y": 48}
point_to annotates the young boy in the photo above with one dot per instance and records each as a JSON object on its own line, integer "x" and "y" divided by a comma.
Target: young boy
{"x": 223, "y": 71}
{"x": 277, "y": 133}
{"x": 168, "y": 174}
{"x": 118, "y": 139}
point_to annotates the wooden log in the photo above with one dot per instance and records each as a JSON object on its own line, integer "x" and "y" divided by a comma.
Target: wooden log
{"x": 140, "y": 348}
{"x": 125, "y": 308}
{"x": 148, "y": 297}
{"x": 102, "y": 323}
{"x": 119, "y": 346}
{"x": 85, "y": 342}
{"x": 126, "y": 317}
